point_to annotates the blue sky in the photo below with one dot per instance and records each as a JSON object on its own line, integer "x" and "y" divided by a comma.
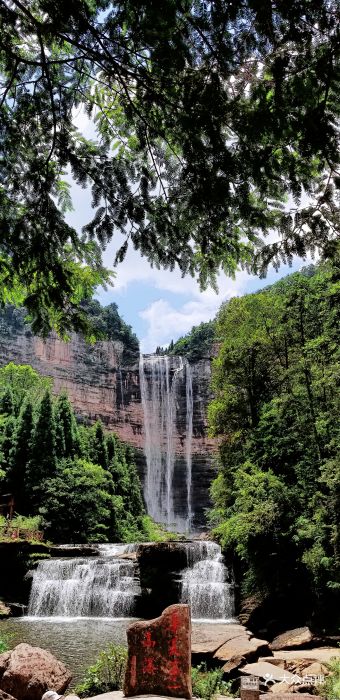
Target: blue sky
{"x": 159, "y": 305}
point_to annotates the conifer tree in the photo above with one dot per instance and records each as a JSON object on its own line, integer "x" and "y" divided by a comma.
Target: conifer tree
{"x": 99, "y": 451}
{"x": 43, "y": 463}
{"x": 7, "y": 402}
{"x": 6, "y": 443}
{"x": 66, "y": 428}
{"x": 111, "y": 448}
{"x": 20, "y": 456}
{"x": 136, "y": 505}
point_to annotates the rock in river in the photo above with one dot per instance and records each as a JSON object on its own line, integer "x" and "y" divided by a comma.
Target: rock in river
{"x": 27, "y": 672}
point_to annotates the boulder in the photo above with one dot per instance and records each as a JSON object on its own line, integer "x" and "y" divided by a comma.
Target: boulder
{"x": 208, "y": 637}
{"x": 304, "y": 657}
{"x": 281, "y": 687}
{"x": 5, "y": 610}
{"x": 233, "y": 644}
{"x": 160, "y": 565}
{"x": 292, "y": 639}
{"x": 270, "y": 673}
{"x": 240, "y": 649}
{"x": 5, "y": 696}
{"x": 292, "y": 696}
{"x": 159, "y": 658}
{"x": 28, "y": 672}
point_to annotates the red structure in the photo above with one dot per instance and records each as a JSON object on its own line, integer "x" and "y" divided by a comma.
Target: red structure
{"x": 159, "y": 661}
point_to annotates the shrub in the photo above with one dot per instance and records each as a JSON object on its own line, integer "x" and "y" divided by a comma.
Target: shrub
{"x": 5, "y": 641}
{"x": 206, "y": 684}
{"x": 331, "y": 687}
{"x": 32, "y": 524}
{"x": 3, "y": 645}
{"x": 153, "y": 532}
{"x": 106, "y": 674}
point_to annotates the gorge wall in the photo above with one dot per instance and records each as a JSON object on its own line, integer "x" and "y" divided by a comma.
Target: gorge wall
{"x": 102, "y": 386}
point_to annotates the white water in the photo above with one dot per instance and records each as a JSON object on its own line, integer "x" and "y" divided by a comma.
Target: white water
{"x": 188, "y": 445}
{"x": 160, "y": 380}
{"x": 204, "y": 583}
{"x": 121, "y": 388}
{"x": 102, "y": 586}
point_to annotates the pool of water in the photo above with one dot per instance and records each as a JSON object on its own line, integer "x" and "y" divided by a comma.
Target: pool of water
{"x": 75, "y": 641}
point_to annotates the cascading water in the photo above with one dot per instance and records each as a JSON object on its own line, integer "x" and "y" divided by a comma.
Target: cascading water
{"x": 103, "y": 586}
{"x": 204, "y": 583}
{"x": 161, "y": 380}
{"x": 189, "y": 432}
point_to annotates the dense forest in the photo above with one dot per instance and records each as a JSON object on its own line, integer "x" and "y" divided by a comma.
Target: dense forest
{"x": 195, "y": 345}
{"x": 276, "y": 414}
{"x": 80, "y": 484}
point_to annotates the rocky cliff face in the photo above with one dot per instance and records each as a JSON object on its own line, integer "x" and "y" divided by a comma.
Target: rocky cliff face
{"x": 101, "y": 386}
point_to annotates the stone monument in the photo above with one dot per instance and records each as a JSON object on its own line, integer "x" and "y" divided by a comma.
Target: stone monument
{"x": 159, "y": 659}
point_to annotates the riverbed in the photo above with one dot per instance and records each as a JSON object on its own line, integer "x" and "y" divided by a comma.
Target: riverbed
{"x": 75, "y": 641}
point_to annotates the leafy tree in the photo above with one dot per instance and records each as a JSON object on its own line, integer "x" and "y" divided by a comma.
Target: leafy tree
{"x": 24, "y": 381}
{"x": 276, "y": 384}
{"x": 77, "y": 505}
{"x": 195, "y": 345}
{"x": 207, "y": 117}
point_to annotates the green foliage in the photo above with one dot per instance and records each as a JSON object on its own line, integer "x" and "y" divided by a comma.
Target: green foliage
{"x": 42, "y": 464}
{"x": 206, "y": 684}
{"x": 153, "y": 532}
{"x": 331, "y": 688}
{"x": 107, "y": 323}
{"x": 77, "y": 504}
{"x": 80, "y": 482}
{"x": 276, "y": 383}
{"x": 23, "y": 380}
{"x": 4, "y": 643}
{"x": 107, "y": 674}
{"x": 32, "y": 523}
{"x": 195, "y": 345}
{"x": 203, "y": 131}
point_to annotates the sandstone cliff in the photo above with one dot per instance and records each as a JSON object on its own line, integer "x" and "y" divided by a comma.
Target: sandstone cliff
{"x": 101, "y": 386}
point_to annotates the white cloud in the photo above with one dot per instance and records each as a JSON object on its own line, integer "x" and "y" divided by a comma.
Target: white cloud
{"x": 166, "y": 323}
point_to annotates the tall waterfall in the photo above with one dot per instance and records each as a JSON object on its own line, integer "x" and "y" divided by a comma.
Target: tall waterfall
{"x": 161, "y": 380}
{"x": 205, "y": 583}
{"x": 103, "y": 586}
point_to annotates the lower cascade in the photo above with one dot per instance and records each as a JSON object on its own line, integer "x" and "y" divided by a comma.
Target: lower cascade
{"x": 205, "y": 585}
{"x": 108, "y": 585}
{"x": 103, "y": 586}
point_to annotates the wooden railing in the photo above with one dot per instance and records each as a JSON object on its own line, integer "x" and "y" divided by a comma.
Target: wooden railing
{"x": 8, "y": 532}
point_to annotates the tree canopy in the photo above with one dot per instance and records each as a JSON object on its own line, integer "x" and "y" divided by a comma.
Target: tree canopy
{"x": 276, "y": 386}
{"x": 81, "y": 482}
{"x": 212, "y": 122}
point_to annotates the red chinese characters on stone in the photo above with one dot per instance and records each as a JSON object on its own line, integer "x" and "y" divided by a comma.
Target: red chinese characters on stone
{"x": 159, "y": 660}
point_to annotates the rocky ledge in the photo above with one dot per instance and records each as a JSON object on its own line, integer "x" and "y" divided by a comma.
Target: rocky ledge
{"x": 281, "y": 671}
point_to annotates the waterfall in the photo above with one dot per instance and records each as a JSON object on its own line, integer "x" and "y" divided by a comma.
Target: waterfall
{"x": 161, "y": 380}
{"x": 103, "y": 586}
{"x": 204, "y": 584}
{"x": 121, "y": 388}
{"x": 188, "y": 445}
